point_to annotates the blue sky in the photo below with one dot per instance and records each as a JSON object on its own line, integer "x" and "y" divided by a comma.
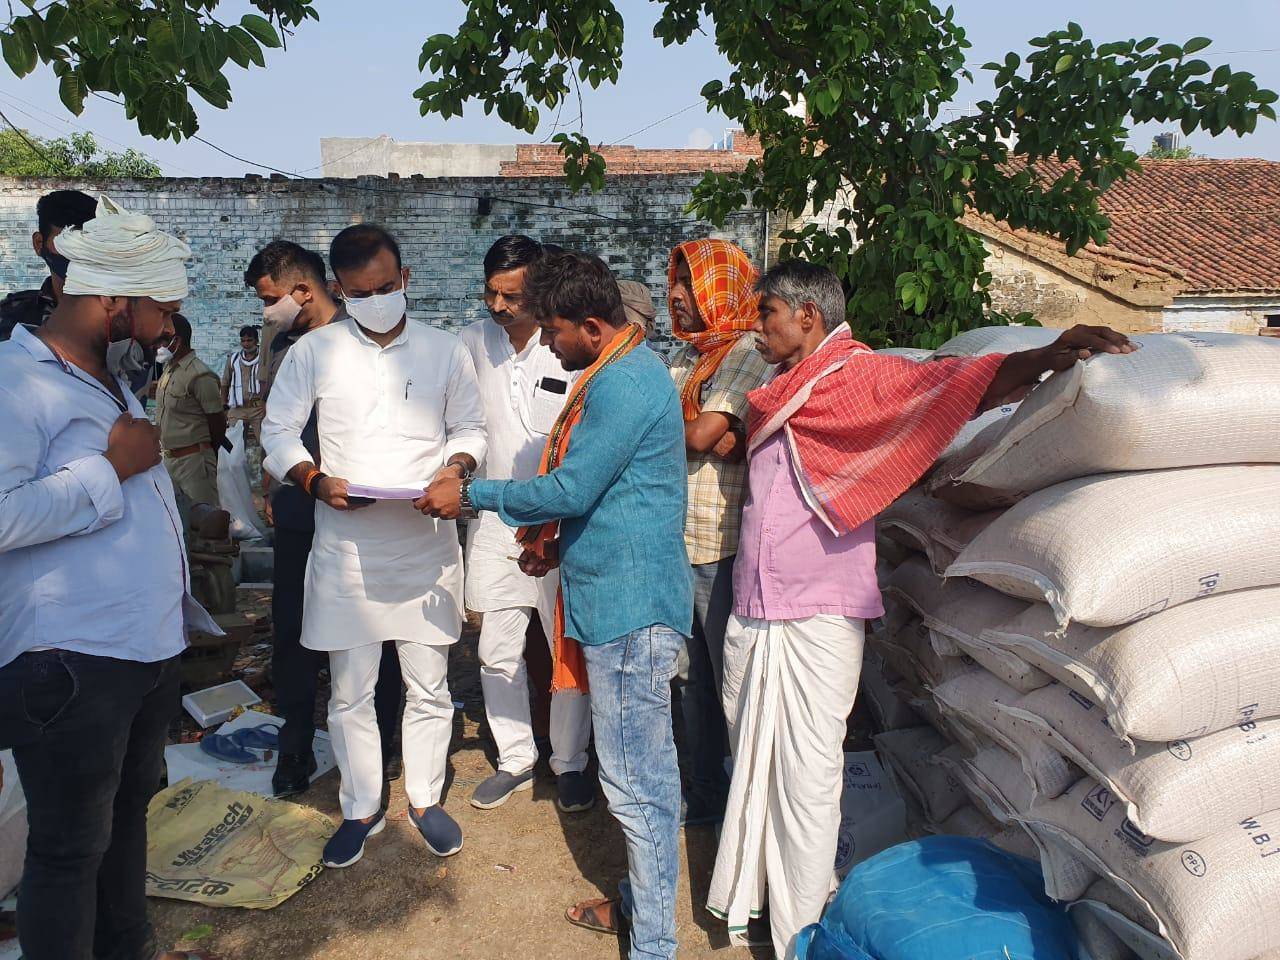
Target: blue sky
{"x": 353, "y": 73}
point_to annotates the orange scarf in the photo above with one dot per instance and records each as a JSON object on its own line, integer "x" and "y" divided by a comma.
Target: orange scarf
{"x": 569, "y": 668}
{"x": 724, "y": 289}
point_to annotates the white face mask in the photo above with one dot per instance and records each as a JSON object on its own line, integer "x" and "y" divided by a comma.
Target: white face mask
{"x": 279, "y": 316}
{"x": 380, "y": 312}
{"x": 164, "y": 355}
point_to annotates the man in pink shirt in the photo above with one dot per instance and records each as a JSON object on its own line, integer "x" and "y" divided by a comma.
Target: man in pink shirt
{"x": 835, "y": 436}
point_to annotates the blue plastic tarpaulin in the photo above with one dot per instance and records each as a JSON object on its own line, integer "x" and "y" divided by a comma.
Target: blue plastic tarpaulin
{"x": 942, "y": 898}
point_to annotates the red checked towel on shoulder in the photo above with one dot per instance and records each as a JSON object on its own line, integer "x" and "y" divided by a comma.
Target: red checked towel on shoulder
{"x": 863, "y": 427}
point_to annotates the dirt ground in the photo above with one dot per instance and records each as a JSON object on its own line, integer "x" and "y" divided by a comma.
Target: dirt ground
{"x": 503, "y": 895}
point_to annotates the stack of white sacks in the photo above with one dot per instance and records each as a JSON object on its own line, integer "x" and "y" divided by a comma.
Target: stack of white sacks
{"x": 1080, "y": 657}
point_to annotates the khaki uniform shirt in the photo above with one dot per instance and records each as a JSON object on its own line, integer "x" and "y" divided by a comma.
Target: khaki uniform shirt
{"x": 188, "y": 393}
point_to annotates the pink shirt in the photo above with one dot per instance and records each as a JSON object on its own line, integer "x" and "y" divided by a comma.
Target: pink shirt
{"x": 790, "y": 565}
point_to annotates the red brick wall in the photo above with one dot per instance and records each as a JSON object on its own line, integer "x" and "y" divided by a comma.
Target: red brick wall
{"x": 544, "y": 160}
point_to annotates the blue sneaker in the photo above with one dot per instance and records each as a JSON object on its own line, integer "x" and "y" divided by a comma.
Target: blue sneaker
{"x": 439, "y": 830}
{"x": 347, "y": 845}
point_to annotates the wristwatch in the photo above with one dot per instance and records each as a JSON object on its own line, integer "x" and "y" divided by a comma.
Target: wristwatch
{"x": 465, "y": 510}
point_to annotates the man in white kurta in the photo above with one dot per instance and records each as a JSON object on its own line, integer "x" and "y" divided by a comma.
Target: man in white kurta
{"x": 523, "y": 387}
{"x": 391, "y": 416}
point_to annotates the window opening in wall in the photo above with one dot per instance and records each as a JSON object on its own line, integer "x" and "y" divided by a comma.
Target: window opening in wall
{"x": 1272, "y": 320}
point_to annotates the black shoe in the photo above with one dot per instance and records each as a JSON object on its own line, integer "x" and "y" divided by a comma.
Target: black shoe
{"x": 293, "y": 774}
{"x": 392, "y": 767}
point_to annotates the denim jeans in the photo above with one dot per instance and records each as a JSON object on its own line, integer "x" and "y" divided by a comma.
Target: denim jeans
{"x": 705, "y": 743}
{"x": 630, "y": 682}
{"x": 88, "y": 736}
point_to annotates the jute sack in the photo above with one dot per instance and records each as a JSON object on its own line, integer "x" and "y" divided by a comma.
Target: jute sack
{"x": 1178, "y": 791}
{"x": 1182, "y": 400}
{"x": 1195, "y": 669}
{"x": 1214, "y": 898}
{"x": 929, "y": 526}
{"x": 1002, "y": 339}
{"x": 958, "y": 611}
{"x": 974, "y": 700}
{"x": 1113, "y": 549}
{"x": 909, "y": 755}
{"x": 888, "y": 706}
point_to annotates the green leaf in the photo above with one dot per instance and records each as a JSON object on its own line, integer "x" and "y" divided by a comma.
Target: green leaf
{"x": 199, "y": 932}
{"x": 161, "y": 42}
{"x": 72, "y": 91}
{"x": 1064, "y": 63}
{"x": 186, "y": 31}
{"x": 260, "y": 29}
{"x": 19, "y": 53}
{"x": 238, "y": 39}
{"x": 1195, "y": 45}
{"x": 94, "y": 36}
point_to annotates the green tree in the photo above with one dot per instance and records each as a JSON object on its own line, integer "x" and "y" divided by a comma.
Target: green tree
{"x": 874, "y": 148}
{"x": 1161, "y": 152}
{"x": 76, "y": 156}
{"x": 151, "y": 53}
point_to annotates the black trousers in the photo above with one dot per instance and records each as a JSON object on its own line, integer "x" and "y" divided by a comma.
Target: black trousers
{"x": 88, "y": 736}
{"x": 294, "y": 668}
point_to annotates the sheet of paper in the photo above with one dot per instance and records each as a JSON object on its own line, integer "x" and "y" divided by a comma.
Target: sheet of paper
{"x": 385, "y": 493}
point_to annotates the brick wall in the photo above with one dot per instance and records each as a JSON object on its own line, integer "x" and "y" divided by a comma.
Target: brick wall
{"x": 632, "y": 224}
{"x": 545, "y": 159}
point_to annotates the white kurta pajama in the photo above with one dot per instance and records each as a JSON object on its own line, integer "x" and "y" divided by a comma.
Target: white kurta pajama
{"x": 390, "y": 417}
{"x": 522, "y": 398}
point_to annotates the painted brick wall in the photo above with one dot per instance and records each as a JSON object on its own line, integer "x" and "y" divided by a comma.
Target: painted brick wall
{"x": 633, "y": 225}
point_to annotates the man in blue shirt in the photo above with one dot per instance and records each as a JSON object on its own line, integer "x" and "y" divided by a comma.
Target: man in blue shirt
{"x": 618, "y": 491}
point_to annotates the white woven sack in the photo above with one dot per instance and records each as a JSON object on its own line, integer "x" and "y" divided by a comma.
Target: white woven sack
{"x": 891, "y": 553}
{"x": 969, "y": 821}
{"x": 909, "y": 754}
{"x": 1106, "y": 934}
{"x": 1214, "y": 898}
{"x": 958, "y": 611}
{"x": 911, "y": 353}
{"x": 1113, "y": 549}
{"x": 1182, "y": 400}
{"x": 974, "y": 700}
{"x": 1178, "y": 791}
{"x": 1003, "y": 339}
{"x": 927, "y": 525}
{"x": 877, "y": 687}
{"x": 1097, "y": 940}
{"x": 1192, "y": 670}
{"x": 911, "y": 653}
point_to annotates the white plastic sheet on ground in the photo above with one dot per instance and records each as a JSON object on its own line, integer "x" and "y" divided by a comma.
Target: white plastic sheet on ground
{"x": 188, "y": 760}
{"x": 234, "y": 489}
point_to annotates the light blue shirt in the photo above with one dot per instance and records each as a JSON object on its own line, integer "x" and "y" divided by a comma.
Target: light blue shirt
{"x": 620, "y": 497}
{"x": 86, "y": 563}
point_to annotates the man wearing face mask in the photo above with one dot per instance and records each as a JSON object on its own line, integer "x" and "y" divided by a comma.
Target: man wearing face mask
{"x": 290, "y": 281}
{"x": 191, "y": 418}
{"x": 55, "y": 212}
{"x": 96, "y": 591}
{"x": 397, "y": 405}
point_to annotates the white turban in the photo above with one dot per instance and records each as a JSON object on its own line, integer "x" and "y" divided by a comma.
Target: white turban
{"x": 122, "y": 254}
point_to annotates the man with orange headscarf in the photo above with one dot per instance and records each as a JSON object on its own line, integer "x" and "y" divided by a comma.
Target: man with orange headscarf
{"x": 712, "y": 300}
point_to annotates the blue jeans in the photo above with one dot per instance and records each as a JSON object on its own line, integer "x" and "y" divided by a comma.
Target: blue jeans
{"x": 706, "y": 740}
{"x": 630, "y": 682}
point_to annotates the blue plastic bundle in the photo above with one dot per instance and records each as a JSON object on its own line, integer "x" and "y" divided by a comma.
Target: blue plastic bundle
{"x": 942, "y": 898}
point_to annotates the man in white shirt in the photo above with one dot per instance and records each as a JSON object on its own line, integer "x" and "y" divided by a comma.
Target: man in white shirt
{"x": 396, "y": 406}
{"x": 523, "y": 387}
{"x": 95, "y": 587}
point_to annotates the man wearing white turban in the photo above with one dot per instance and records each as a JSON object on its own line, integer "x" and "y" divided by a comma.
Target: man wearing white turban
{"x": 96, "y": 590}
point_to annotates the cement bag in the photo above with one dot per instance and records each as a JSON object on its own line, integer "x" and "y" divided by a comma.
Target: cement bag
{"x": 1178, "y": 791}
{"x": 889, "y": 708}
{"x": 1001, "y": 339}
{"x": 911, "y": 653}
{"x": 1105, "y": 933}
{"x": 958, "y": 611}
{"x": 909, "y": 755}
{"x": 1195, "y": 669}
{"x": 891, "y": 553}
{"x": 974, "y": 701}
{"x": 1183, "y": 400}
{"x": 927, "y": 525}
{"x": 234, "y": 488}
{"x": 969, "y": 821}
{"x": 13, "y": 824}
{"x": 1214, "y": 898}
{"x": 992, "y": 779}
{"x": 872, "y": 813}
{"x": 1113, "y": 549}
{"x": 1097, "y": 940}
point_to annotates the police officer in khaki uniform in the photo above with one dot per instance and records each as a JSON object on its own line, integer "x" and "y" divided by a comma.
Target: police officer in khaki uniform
{"x": 191, "y": 418}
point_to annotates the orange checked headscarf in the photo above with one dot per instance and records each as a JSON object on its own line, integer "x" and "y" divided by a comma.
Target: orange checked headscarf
{"x": 568, "y": 666}
{"x": 724, "y": 289}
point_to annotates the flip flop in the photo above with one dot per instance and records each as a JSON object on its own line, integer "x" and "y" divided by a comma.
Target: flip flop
{"x": 591, "y": 917}
{"x": 265, "y": 736}
{"x": 224, "y": 748}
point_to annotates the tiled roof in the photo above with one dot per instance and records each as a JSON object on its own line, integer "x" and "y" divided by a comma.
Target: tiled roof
{"x": 1217, "y": 222}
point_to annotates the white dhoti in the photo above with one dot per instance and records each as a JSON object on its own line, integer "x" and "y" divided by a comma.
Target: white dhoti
{"x": 789, "y": 686}
{"x": 507, "y": 598}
